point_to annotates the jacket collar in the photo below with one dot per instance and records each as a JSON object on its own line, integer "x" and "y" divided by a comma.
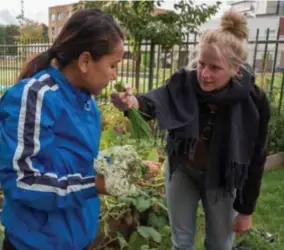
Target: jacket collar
{"x": 72, "y": 93}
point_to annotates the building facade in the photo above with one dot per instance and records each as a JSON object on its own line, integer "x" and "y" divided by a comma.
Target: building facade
{"x": 265, "y": 19}
{"x": 57, "y": 17}
{"x": 259, "y": 7}
{"x": 59, "y": 14}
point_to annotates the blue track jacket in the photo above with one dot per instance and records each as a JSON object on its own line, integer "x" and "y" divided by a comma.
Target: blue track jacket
{"x": 49, "y": 137}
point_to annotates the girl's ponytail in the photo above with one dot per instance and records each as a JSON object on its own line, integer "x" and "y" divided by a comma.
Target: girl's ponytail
{"x": 35, "y": 64}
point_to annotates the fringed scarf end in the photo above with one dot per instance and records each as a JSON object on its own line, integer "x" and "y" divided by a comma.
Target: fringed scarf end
{"x": 235, "y": 177}
{"x": 175, "y": 146}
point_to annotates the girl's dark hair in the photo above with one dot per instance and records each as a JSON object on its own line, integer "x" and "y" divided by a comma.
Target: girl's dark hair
{"x": 87, "y": 30}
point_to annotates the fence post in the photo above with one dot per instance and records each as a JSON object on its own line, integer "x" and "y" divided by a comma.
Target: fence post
{"x": 274, "y": 63}
{"x": 281, "y": 94}
{"x": 264, "y": 62}
{"x": 255, "y": 48}
{"x": 151, "y": 70}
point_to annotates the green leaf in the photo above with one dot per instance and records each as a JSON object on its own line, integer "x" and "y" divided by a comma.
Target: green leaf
{"x": 149, "y": 233}
{"x": 160, "y": 203}
{"x": 107, "y": 136}
{"x": 102, "y": 225}
{"x": 136, "y": 241}
{"x": 165, "y": 231}
{"x": 145, "y": 247}
{"x": 141, "y": 203}
{"x": 157, "y": 221}
{"x": 105, "y": 228}
{"x": 119, "y": 86}
{"x": 122, "y": 242}
{"x": 153, "y": 155}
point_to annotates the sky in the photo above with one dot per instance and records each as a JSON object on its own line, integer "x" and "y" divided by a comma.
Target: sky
{"x": 38, "y": 9}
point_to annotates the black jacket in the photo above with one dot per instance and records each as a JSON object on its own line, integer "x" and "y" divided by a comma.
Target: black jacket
{"x": 250, "y": 192}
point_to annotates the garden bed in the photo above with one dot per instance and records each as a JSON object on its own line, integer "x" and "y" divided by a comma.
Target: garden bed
{"x": 274, "y": 161}
{"x": 141, "y": 222}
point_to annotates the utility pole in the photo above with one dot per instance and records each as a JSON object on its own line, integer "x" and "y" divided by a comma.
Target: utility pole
{"x": 22, "y": 13}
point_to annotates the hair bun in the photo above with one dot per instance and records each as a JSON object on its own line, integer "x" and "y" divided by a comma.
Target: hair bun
{"x": 235, "y": 23}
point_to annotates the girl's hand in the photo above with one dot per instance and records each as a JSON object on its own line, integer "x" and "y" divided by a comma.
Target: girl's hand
{"x": 100, "y": 184}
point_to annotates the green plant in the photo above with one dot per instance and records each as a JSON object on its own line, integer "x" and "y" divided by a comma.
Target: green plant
{"x": 256, "y": 240}
{"x": 139, "y": 127}
{"x": 145, "y": 56}
{"x": 126, "y": 224}
{"x": 137, "y": 221}
{"x": 276, "y": 131}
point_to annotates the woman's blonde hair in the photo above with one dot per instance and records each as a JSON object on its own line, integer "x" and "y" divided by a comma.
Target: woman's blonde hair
{"x": 229, "y": 40}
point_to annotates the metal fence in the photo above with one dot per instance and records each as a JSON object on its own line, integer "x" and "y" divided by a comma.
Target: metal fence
{"x": 152, "y": 64}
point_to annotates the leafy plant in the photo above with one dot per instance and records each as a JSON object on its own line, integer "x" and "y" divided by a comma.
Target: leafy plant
{"x": 255, "y": 240}
{"x": 140, "y": 220}
{"x": 139, "y": 127}
{"x": 137, "y": 221}
{"x": 276, "y": 131}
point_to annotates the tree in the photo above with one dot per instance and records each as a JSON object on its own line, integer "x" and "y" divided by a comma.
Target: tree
{"x": 32, "y": 30}
{"x": 44, "y": 32}
{"x": 12, "y": 34}
{"x": 9, "y": 35}
{"x": 2, "y": 34}
{"x": 142, "y": 22}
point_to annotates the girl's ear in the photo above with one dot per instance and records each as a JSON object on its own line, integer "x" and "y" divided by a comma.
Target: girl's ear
{"x": 83, "y": 62}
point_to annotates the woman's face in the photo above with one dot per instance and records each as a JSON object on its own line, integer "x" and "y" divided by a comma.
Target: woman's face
{"x": 211, "y": 69}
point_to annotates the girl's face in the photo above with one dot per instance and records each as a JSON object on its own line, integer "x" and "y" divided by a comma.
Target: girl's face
{"x": 211, "y": 70}
{"x": 95, "y": 75}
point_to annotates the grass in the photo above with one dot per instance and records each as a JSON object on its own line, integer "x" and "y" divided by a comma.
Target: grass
{"x": 268, "y": 216}
{"x": 8, "y": 76}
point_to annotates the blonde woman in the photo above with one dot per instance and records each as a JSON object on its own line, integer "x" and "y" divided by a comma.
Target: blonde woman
{"x": 217, "y": 121}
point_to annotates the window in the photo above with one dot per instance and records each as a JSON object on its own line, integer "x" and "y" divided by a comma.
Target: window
{"x": 53, "y": 31}
{"x": 60, "y": 16}
{"x": 52, "y": 17}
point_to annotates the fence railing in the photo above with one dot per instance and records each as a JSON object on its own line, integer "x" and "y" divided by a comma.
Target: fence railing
{"x": 154, "y": 64}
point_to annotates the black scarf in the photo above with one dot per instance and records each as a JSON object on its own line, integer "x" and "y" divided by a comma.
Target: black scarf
{"x": 233, "y": 140}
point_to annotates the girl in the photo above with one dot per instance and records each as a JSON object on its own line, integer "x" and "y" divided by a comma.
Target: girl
{"x": 50, "y": 132}
{"x": 217, "y": 120}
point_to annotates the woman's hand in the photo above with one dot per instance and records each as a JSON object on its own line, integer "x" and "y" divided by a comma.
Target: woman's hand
{"x": 124, "y": 100}
{"x": 242, "y": 224}
{"x": 153, "y": 167}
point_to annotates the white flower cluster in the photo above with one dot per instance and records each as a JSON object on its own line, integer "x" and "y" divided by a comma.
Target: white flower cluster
{"x": 121, "y": 167}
